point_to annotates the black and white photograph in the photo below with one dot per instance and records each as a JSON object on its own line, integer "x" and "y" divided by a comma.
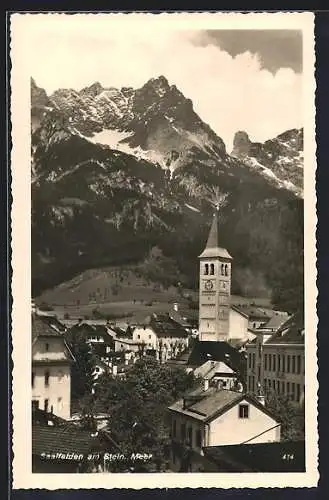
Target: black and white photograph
{"x": 164, "y": 278}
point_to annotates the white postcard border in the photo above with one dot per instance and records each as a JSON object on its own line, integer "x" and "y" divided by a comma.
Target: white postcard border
{"x": 21, "y": 258}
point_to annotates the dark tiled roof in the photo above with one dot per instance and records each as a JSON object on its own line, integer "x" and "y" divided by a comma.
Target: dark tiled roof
{"x": 166, "y": 327}
{"x": 259, "y": 457}
{"x": 254, "y": 312}
{"x": 203, "y": 351}
{"x": 291, "y": 332}
{"x": 40, "y": 328}
{"x": 121, "y": 333}
{"x": 48, "y": 439}
{"x": 53, "y": 322}
{"x": 42, "y": 417}
{"x": 175, "y": 316}
{"x": 276, "y": 321}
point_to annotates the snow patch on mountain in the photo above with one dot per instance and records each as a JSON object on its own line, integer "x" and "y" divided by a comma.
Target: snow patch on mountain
{"x": 111, "y": 138}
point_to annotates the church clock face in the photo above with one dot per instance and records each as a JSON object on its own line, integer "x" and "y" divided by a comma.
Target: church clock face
{"x": 209, "y": 285}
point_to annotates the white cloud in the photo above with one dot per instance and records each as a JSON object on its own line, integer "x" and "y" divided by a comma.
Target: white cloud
{"x": 228, "y": 93}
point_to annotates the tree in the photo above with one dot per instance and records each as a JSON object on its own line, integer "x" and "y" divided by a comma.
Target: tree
{"x": 82, "y": 369}
{"x": 291, "y": 416}
{"x": 138, "y": 408}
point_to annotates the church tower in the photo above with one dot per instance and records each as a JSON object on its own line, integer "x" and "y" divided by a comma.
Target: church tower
{"x": 215, "y": 288}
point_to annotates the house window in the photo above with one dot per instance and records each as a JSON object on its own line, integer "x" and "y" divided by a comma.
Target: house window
{"x": 47, "y": 347}
{"x": 226, "y": 270}
{"x": 274, "y": 362}
{"x": 138, "y": 336}
{"x": 299, "y": 364}
{"x": 59, "y": 404}
{"x": 249, "y": 360}
{"x": 206, "y": 268}
{"x": 222, "y": 269}
{"x": 293, "y": 391}
{"x": 243, "y": 411}
{"x": 253, "y": 360}
{"x": 46, "y": 405}
{"x": 279, "y": 362}
{"x": 298, "y": 392}
{"x": 183, "y": 431}
{"x": 174, "y": 428}
{"x": 150, "y": 336}
{"x": 270, "y": 362}
{"x": 212, "y": 269}
{"x": 189, "y": 436}
{"x": 35, "y": 405}
{"x": 282, "y": 387}
{"x": 288, "y": 389}
{"x": 288, "y": 364}
{"x": 33, "y": 379}
{"x": 265, "y": 359}
{"x": 283, "y": 364}
{"x": 293, "y": 364}
{"x": 198, "y": 438}
{"x": 47, "y": 378}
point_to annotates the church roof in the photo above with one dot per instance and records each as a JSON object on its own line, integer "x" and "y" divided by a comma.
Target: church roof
{"x": 212, "y": 247}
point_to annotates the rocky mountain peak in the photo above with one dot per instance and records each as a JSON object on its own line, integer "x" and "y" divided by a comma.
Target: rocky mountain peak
{"x": 38, "y": 95}
{"x": 241, "y": 144}
{"x": 93, "y": 90}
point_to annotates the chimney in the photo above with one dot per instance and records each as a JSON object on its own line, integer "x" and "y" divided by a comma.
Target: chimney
{"x": 206, "y": 384}
{"x": 261, "y": 399}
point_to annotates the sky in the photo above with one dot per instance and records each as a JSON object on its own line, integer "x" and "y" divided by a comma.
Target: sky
{"x": 247, "y": 80}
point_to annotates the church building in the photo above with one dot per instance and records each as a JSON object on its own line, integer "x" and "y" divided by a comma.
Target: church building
{"x": 215, "y": 288}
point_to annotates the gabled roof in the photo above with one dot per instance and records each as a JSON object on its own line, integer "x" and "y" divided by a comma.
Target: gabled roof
{"x": 121, "y": 333}
{"x": 163, "y": 326}
{"x": 211, "y": 368}
{"x": 52, "y": 440}
{"x": 276, "y": 321}
{"x": 254, "y": 312}
{"x": 210, "y": 404}
{"x": 239, "y": 311}
{"x": 291, "y": 332}
{"x": 175, "y": 316}
{"x": 40, "y": 328}
{"x": 205, "y": 350}
{"x": 212, "y": 247}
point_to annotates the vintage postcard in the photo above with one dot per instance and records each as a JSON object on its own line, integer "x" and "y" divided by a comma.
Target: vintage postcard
{"x": 163, "y": 250}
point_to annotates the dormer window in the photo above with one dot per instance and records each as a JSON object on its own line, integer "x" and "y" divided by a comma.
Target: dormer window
{"x": 206, "y": 268}
{"x": 212, "y": 269}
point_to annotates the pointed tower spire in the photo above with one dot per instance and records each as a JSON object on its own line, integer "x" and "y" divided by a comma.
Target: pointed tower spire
{"x": 212, "y": 247}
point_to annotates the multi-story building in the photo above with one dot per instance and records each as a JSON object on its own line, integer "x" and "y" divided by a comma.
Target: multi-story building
{"x": 215, "y": 288}
{"x": 163, "y": 336}
{"x": 215, "y": 417}
{"x": 51, "y": 369}
{"x": 275, "y": 362}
